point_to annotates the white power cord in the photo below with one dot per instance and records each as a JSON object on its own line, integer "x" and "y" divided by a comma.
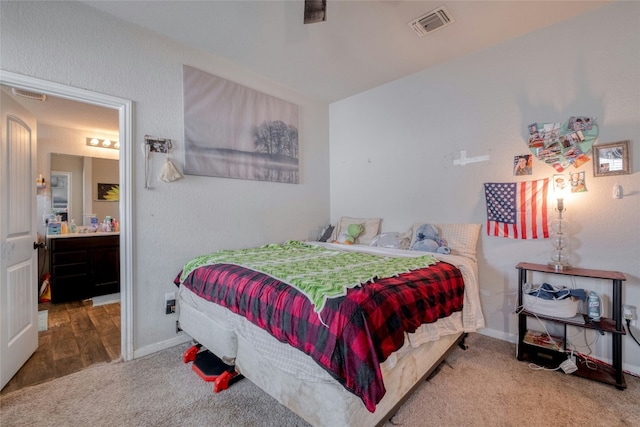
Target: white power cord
{"x": 568, "y": 366}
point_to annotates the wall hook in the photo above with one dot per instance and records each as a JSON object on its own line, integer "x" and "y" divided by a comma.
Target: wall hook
{"x": 158, "y": 145}
{"x": 463, "y": 160}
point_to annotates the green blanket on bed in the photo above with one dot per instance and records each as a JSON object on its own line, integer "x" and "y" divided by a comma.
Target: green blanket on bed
{"x": 317, "y": 272}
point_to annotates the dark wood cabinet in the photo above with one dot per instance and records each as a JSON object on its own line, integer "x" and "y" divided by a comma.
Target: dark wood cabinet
{"x": 84, "y": 267}
{"x": 609, "y": 374}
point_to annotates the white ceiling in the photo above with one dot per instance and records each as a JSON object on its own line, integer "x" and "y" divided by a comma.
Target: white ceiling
{"x": 361, "y": 45}
{"x": 70, "y": 114}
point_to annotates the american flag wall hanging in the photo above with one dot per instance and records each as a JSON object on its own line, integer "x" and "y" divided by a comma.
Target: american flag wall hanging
{"x": 517, "y": 210}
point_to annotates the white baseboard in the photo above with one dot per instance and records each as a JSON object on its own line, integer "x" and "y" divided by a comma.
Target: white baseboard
{"x": 181, "y": 338}
{"x": 632, "y": 369}
{"x": 43, "y": 320}
{"x": 501, "y": 335}
{"x": 105, "y": 299}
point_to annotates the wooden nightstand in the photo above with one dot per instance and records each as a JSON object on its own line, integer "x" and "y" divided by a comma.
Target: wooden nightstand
{"x": 609, "y": 374}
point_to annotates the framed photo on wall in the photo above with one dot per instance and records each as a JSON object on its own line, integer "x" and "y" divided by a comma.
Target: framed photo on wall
{"x": 611, "y": 159}
{"x": 108, "y": 192}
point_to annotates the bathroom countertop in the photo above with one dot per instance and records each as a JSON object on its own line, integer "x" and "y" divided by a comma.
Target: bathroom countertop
{"x": 89, "y": 234}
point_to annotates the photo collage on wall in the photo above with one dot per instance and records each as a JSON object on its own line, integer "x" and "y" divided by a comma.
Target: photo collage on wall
{"x": 562, "y": 145}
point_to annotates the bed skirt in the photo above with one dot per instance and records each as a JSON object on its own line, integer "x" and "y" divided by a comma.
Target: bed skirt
{"x": 330, "y": 404}
{"x": 317, "y": 398}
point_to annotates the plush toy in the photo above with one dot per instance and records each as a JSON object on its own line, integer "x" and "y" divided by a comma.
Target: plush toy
{"x": 428, "y": 240}
{"x": 349, "y": 237}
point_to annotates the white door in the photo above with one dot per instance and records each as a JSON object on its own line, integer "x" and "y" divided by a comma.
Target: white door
{"x": 18, "y": 258}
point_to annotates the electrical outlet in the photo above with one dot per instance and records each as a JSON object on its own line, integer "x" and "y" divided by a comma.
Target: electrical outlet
{"x": 170, "y": 307}
{"x": 169, "y": 303}
{"x": 629, "y": 312}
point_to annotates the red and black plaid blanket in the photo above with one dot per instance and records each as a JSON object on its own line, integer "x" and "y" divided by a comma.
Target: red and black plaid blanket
{"x": 364, "y": 327}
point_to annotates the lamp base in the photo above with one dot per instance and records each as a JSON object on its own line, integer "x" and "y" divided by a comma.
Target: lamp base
{"x": 559, "y": 266}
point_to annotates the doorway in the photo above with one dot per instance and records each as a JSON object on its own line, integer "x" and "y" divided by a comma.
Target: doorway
{"x": 124, "y": 109}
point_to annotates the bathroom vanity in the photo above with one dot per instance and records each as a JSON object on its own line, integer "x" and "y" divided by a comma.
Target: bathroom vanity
{"x": 84, "y": 265}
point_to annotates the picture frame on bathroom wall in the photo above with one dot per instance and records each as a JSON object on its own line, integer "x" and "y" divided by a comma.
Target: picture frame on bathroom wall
{"x": 611, "y": 159}
{"x": 108, "y": 192}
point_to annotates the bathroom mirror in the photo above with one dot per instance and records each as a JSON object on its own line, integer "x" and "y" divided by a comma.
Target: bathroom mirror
{"x": 84, "y": 174}
{"x": 611, "y": 159}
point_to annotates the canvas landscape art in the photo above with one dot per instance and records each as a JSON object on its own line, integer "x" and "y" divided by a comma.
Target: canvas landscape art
{"x": 233, "y": 131}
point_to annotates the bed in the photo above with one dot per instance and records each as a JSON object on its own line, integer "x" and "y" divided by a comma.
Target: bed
{"x": 344, "y": 377}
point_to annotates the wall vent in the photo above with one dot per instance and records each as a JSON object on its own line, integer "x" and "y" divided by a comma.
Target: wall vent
{"x": 432, "y": 21}
{"x": 28, "y": 94}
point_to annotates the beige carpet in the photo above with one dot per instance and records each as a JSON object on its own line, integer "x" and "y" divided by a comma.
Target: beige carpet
{"x": 484, "y": 385}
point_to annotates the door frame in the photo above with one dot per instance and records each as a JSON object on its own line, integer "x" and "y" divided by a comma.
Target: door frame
{"x": 124, "y": 107}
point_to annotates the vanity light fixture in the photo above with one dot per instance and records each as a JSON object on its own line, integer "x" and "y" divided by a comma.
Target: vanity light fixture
{"x": 103, "y": 143}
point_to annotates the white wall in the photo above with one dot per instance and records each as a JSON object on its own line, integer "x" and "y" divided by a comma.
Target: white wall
{"x": 392, "y": 150}
{"x": 72, "y": 44}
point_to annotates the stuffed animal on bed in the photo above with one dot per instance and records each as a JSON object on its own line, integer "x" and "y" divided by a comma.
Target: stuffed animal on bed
{"x": 349, "y": 236}
{"x": 428, "y": 240}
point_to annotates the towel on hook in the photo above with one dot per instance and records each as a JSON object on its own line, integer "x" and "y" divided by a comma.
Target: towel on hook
{"x": 169, "y": 172}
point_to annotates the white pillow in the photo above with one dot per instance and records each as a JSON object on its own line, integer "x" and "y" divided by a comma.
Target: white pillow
{"x": 371, "y": 229}
{"x": 462, "y": 239}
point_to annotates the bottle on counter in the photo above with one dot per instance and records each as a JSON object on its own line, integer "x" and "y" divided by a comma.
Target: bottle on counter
{"x": 63, "y": 228}
{"x": 94, "y": 224}
{"x": 73, "y": 228}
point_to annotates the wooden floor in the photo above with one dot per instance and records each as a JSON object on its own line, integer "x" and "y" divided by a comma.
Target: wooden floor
{"x": 78, "y": 335}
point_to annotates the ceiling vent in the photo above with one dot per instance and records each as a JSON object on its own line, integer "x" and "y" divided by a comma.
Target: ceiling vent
{"x": 28, "y": 94}
{"x": 432, "y": 21}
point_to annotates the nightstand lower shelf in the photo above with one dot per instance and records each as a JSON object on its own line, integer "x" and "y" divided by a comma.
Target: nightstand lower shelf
{"x": 601, "y": 372}
{"x": 551, "y": 359}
